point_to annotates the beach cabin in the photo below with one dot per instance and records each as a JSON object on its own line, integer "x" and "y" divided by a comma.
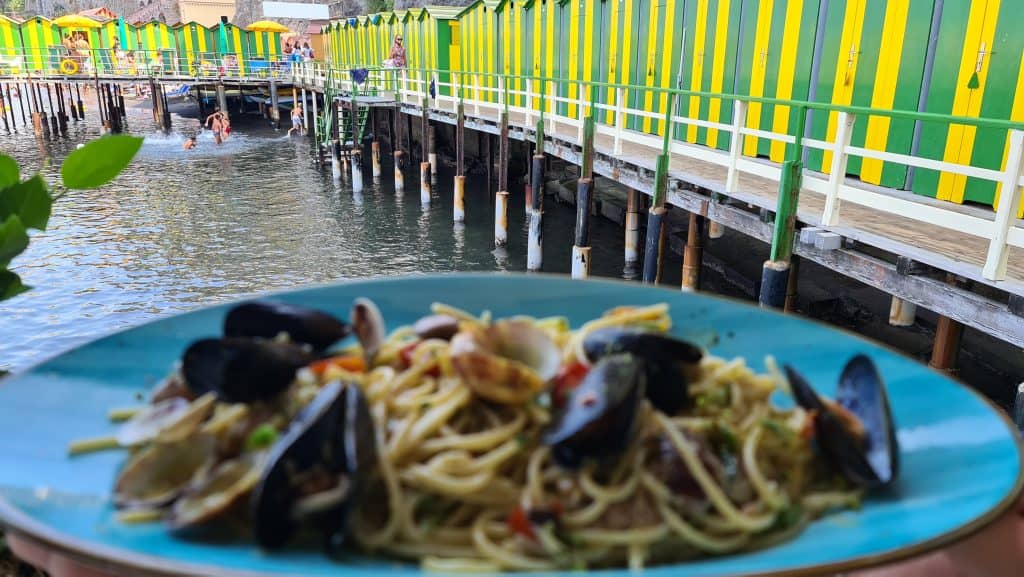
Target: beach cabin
{"x": 157, "y": 45}
{"x": 12, "y": 51}
{"x": 42, "y": 43}
{"x": 196, "y": 50}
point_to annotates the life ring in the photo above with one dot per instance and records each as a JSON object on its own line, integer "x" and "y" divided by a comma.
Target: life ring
{"x": 68, "y": 66}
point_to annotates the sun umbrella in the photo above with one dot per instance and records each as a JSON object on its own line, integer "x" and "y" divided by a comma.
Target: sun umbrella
{"x": 76, "y": 21}
{"x": 267, "y": 26}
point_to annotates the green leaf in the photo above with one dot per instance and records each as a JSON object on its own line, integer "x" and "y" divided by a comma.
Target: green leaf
{"x": 99, "y": 162}
{"x": 9, "y": 173}
{"x": 29, "y": 200}
{"x": 10, "y": 285}
{"x": 13, "y": 239}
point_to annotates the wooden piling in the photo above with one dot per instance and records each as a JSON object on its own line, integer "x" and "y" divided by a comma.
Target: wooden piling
{"x": 71, "y": 103}
{"x": 948, "y": 334}
{"x": 396, "y": 146}
{"x": 375, "y": 156}
{"x": 792, "y": 293}
{"x": 432, "y": 154}
{"x": 459, "y": 188}
{"x": 581, "y": 245}
{"x": 654, "y": 244}
{"x": 535, "y": 237}
{"x": 10, "y": 109}
{"x": 632, "y": 227}
{"x": 275, "y": 112}
{"x": 54, "y": 125}
{"x": 424, "y": 183}
{"x": 357, "y": 172}
{"x": 693, "y": 254}
{"x": 3, "y": 105}
{"x": 305, "y": 110}
{"x": 775, "y": 272}
{"x": 21, "y": 104}
{"x": 425, "y": 136}
{"x": 120, "y": 101}
{"x": 501, "y": 197}
{"x": 902, "y": 313}
{"x": 488, "y": 158}
{"x": 62, "y": 110}
{"x": 80, "y": 104}
{"x": 222, "y": 97}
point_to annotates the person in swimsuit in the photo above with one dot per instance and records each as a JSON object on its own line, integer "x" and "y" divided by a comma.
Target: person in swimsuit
{"x": 296, "y": 120}
{"x": 216, "y": 123}
{"x": 189, "y": 143}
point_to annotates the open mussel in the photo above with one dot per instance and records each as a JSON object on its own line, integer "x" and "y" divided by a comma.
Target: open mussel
{"x": 597, "y": 420}
{"x": 267, "y": 319}
{"x": 313, "y": 472}
{"x": 670, "y": 363}
{"x": 241, "y": 369}
{"x": 856, "y": 433}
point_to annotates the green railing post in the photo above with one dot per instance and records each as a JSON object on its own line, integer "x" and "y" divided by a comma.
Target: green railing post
{"x": 775, "y": 273}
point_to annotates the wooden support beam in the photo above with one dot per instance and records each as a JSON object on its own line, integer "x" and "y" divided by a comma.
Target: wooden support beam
{"x": 693, "y": 254}
{"x": 948, "y": 334}
{"x": 535, "y": 238}
{"x": 580, "y": 267}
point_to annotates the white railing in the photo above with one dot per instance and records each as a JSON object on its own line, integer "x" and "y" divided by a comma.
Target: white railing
{"x": 1003, "y": 231}
{"x": 139, "y": 63}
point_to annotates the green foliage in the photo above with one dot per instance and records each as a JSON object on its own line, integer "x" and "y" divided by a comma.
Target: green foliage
{"x": 98, "y": 162}
{"x": 374, "y": 6}
{"x": 26, "y": 204}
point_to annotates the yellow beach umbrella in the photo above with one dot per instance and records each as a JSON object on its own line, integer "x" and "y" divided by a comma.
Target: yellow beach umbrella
{"x": 267, "y": 26}
{"x": 76, "y": 21}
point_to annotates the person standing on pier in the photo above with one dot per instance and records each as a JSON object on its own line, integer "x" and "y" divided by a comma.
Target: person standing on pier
{"x": 397, "y": 55}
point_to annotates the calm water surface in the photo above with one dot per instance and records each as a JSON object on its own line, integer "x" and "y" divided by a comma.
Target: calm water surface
{"x": 181, "y": 229}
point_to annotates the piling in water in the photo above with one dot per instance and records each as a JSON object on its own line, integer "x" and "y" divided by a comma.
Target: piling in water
{"x": 535, "y": 237}
{"x": 357, "y": 173}
{"x": 500, "y": 219}
{"x": 459, "y": 210}
{"x": 693, "y": 254}
{"x": 581, "y": 246}
{"x": 425, "y": 183}
{"x": 632, "y": 227}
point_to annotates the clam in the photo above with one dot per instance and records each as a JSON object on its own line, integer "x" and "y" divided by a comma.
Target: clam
{"x": 670, "y": 363}
{"x": 599, "y": 417}
{"x": 441, "y": 327}
{"x": 242, "y": 370}
{"x": 314, "y": 470}
{"x": 368, "y": 325}
{"x": 856, "y": 434}
{"x": 217, "y": 494}
{"x": 168, "y": 420}
{"x": 157, "y": 474}
{"x": 267, "y": 319}
{"x": 508, "y": 362}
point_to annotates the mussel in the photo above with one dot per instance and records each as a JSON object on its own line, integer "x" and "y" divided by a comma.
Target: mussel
{"x": 508, "y": 362}
{"x": 314, "y": 470}
{"x": 242, "y": 369}
{"x": 864, "y": 451}
{"x": 670, "y": 363}
{"x": 267, "y": 319}
{"x": 599, "y": 417}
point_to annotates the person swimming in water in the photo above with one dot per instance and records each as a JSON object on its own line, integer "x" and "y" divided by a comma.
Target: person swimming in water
{"x": 217, "y": 123}
{"x": 189, "y": 143}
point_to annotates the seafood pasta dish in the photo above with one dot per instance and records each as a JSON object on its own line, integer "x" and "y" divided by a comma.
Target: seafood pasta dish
{"x": 469, "y": 443}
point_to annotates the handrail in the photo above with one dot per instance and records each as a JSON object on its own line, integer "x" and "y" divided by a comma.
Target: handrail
{"x": 542, "y": 96}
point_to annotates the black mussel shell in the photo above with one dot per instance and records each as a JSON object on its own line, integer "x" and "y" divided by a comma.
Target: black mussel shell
{"x": 667, "y": 360}
{"x": 872, "y": 462}
{"x": 598, "y": 418}
{"x": 242, "y": 370}
{"x": 333, "y": 437}
{"x": 267, "y": 319}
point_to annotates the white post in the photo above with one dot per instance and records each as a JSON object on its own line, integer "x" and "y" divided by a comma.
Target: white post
{"x": 620, "y": 118}
{"x": 837, "y": 174}
{"x": 500, "y": 219}
{"x": 580, "y": 262}
{"x": 902, "y": 313}
{"x": 739, "y": 118}
{"x": 534, "y": 241}
{"x": 357, "y": 174}
{"x": 424, "y": 183}
{"x": 1006, "y": 212}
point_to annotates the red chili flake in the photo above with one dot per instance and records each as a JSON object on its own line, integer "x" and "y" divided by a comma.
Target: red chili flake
{"x": 518, "y": 522}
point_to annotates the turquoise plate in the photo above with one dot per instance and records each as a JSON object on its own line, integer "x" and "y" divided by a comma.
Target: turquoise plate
{"x": 961, "y": 458}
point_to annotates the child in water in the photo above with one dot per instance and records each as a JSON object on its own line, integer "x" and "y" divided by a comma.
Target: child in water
{"x": 189, "y": 143}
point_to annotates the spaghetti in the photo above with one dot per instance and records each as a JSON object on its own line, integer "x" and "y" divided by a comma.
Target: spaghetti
{"x": 483, "y": 461}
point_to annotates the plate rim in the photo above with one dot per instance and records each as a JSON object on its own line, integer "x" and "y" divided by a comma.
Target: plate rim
{"x": 102, "y": 556}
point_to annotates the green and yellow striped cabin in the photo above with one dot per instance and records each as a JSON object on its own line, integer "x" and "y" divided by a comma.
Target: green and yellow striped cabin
{"x": 41, "y": 40}
{"x": 196, "y": 45}
{"x": 11, "y": 47}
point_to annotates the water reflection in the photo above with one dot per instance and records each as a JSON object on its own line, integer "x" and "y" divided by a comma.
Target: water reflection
{"x": 183, "y": 228}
